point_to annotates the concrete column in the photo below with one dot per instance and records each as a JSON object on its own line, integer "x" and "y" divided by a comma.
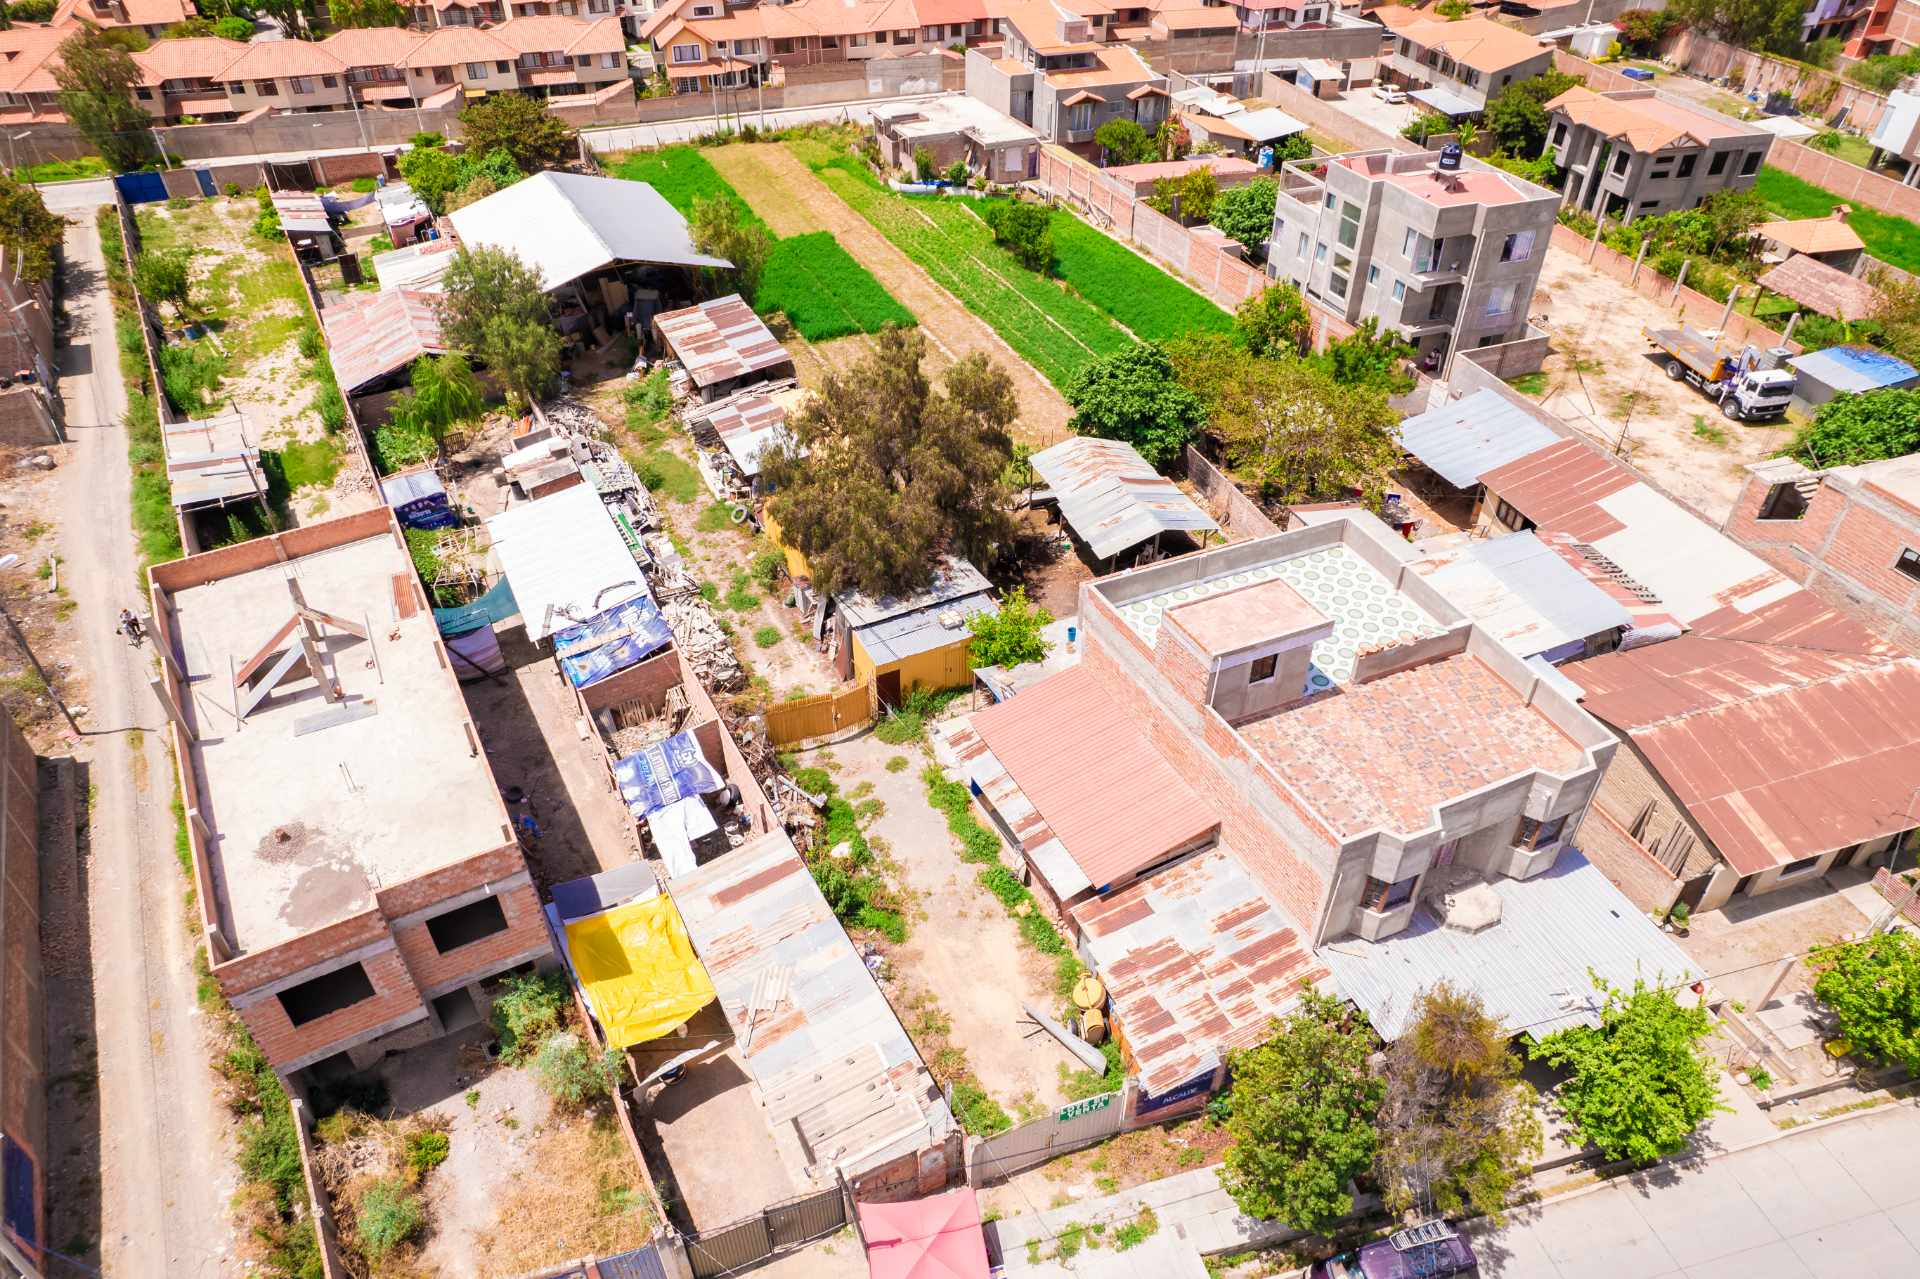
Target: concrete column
{"x": 1679, "y": 282}
{"x": 1638, "y": 258}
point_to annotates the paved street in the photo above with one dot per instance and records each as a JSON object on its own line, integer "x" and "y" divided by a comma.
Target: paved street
{"x": 1841, "y": 1201}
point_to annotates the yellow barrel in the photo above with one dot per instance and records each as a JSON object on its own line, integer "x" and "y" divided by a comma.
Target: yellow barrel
{"x": 1088, "y": 992}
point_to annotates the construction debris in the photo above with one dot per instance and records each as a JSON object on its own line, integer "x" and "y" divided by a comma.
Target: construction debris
{"x": 704, "y": 645}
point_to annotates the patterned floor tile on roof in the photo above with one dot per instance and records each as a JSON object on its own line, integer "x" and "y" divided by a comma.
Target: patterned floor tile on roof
{"x": 1367, "y": 611}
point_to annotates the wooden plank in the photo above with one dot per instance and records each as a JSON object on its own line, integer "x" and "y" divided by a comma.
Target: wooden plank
{"x": 403, "y": 602}
{"x": 254, "y": 663}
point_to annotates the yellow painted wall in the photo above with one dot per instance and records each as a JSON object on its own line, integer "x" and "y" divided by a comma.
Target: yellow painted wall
{"x": 944, "y": 667}
{"x": 797, "y": 565}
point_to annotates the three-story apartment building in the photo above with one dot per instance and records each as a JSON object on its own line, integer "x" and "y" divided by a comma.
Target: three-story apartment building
{"x": 1629, "y": 153}
{"x": 1461, "y": 65}
{"x": 1440, "y": 248}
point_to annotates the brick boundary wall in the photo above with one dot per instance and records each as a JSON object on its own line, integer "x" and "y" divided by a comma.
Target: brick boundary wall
{"x": 1690, "y": 307}
{"x": 1710, "y": 58}
{"x": 318, "y": 1202}
{"x": 1234, "y": 509}
{"x": 1899, "y": 894}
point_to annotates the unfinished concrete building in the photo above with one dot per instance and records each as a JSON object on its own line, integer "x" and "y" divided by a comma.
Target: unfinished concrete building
{"x": 357, "y": 876}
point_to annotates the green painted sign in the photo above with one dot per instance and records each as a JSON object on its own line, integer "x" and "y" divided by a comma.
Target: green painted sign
{"x": 1087, "y": 1107}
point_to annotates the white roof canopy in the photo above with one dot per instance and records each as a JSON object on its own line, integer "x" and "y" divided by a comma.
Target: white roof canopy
{"x": 564, "y": 559}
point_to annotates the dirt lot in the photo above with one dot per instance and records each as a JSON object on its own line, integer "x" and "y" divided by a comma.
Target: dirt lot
{"x": 1130, "y": 1159}
{"x": 36, "y": 598}
{"x": 793, "y": 201}
{"x": 1602, "y": 380}
{"x": 962, "y": 947}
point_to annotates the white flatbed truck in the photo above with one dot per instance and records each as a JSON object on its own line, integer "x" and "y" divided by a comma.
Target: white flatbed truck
{"x": 1748, "y": 383}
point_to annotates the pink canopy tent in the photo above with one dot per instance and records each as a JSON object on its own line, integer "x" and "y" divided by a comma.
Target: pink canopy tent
{"x": 937, "y": 1238}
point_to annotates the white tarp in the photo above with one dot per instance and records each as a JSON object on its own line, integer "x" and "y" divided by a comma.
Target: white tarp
{"x": 565, "y": 559}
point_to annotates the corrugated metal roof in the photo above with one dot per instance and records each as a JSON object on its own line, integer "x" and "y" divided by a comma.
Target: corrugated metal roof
{"x": 1685, "y": 564}
{"x": 300, "y": 212}
{"x": 211, "y": 462}
{"x": 1528, "y": 596}
{"x": 953, "y": 579}
{"x": 1533, "y": 970}
{"x": 416, "y": 266}
{"x": 373, "y": 334}
{"x": 1445, "y": 101}
{"x": 1779, "y": 748}
{"x": 1855, "y": 368}
{"x": 1111, "y": 497}
{"x": 752, "y": 424}
{"x": 936, "y": 626}
{"x": 834, "y": 1036}
{"x": 1093, "y": 776}
{"x": 1198, "y": 963}
{"x": 721, "y": 340}
{"x": 1463, "y": 440}
{"x": 565, "y": 558}
{"x": 400, "y": 205}
{"x": 565, "y": 225}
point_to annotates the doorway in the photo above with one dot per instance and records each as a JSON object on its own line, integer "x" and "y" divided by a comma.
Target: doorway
{"x": 886, "y": 686}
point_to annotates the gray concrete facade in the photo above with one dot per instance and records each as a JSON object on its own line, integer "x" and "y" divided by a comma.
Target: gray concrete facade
{"x": 1633, "y": 153}
{"x": 1446, "y": 262}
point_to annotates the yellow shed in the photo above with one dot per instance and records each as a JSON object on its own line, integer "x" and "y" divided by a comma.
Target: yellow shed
{"x": 903, "y": 642}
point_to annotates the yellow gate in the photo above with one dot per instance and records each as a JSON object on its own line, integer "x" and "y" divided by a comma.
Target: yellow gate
{"x": 821, "y": 715}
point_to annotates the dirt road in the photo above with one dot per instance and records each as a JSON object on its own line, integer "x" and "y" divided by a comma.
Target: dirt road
{"x": 785, "y": 193}
{"x": 165, "y": 1170}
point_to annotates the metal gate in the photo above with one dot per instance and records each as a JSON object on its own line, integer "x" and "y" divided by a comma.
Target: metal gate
{"x": 776, "y": 1229}
{"x": 1073, "y": 1126}
{"x": 141, "y": 188}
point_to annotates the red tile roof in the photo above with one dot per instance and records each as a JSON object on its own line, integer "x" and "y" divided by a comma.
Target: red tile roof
{"x": 371, "y": 46}
{"x": 196, "y": 58}
{"x": 277, "y": 59}
{"x": 549, "y": 34}
{"x": 450, "y": 46}
{"x": 1110, "y": 797}
{"x": 1780, "y": 746}
{"x": 140, "y": 13}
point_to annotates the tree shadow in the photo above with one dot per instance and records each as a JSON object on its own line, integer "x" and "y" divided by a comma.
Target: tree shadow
{"x": 73, "y": 1157}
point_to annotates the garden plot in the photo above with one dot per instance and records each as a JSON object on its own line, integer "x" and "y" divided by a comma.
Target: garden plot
{"x": 1601, "y": 379}
{"x": 263, "y": 354}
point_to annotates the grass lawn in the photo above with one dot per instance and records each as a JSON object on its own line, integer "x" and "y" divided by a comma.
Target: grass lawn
{"x": 1894, "y": 240}
{"x": 1854, "y": 149}
{"x": 1128, "y": 287}
{"x": 87, "y": 166}
{"x": 1052, "y": 328}
{"x": 824, "y": 292}
{"x": 1533, "y": 384}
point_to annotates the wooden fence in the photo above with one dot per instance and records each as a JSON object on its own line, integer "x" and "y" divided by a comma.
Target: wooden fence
{"x": 822, "y": 715}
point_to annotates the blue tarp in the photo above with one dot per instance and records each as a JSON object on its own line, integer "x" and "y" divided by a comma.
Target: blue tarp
{"x": 1855, "y": 368}
{"x": 664, "y": 773}
{"x": 611, "y": 641}
{"x": 497, "y": 605}
{"x": 419, "y": 499}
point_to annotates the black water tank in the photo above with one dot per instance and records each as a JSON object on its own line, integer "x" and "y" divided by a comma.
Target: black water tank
{"x": 1450, "y": 156}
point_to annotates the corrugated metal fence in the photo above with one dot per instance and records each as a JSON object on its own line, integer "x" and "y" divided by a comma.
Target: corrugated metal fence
{"x": 1074, "y": 1126}
{"x": 775, "y": 1229}
{"x": 821, "y": 715}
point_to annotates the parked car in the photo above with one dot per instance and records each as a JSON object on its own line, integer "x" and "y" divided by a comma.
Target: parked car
{"x": 1430, "y": 1250}
{"x": 1389, "y": 92}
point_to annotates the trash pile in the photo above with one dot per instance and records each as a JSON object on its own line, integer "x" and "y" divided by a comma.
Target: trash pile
{"x": 703, "y": 644}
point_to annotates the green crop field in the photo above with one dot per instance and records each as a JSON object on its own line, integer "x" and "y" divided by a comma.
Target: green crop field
{"x": 825, "y": 293}
{"x": 1894, "y": 240}
{"x": 1054, "y": 330}
{"x": 1126, "y": 286}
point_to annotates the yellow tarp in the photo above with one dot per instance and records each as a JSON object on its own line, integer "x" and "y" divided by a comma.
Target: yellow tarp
{"x": 638, "y": 970}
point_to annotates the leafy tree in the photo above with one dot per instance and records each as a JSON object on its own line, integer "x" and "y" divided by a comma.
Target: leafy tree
{"x": 1771, "y": 26}
{"x": 1896, "y": 315}
{"x": 1639, "y": 1083}
{"x": 1517, "y": 118}
{"x": 1288, "y": 426}
{"x": 1641, "y": 29}
{"x": 477, "y": 187}
{"x": 366, "y": 13}
{"x": 1850, "y": 429}
{"x": 722, "y": 227}
{"x": 573, "y": 1075}
{"x": 232, "y": 27}
{"x": 1025, "y": 230}
{"x": 1425, "y": 125}
{"x": 1012, "y": 636}
{"x": 32, "y": 10}
{"x": 1188, "y": 197}
{"x": 1295, "y": 146}
{"x": 522, "y": 127}
{"x": 1883, "y": 72}
{"x": 1873, "y": 988}
{"x": 495, "y": 309}
{"x": 1124, "y": 142}
{"x": 1368, "y": 357}
{"x": 923, "y": 166}
{"x": 427, "y": 139}
{"x": 444, "y": 393}
{"x": 1171, "y": 139}
{"x": 1133, "y": 395}
{"x": 1275, "y": 322}
{"x": 96, "y": 78}
{"x": 28, "y": 231}
{"x": 162, "y": 276}
{"x": 1302, "y": 1123}
{"x": 1246, "y": 212}
{"x": 1457, "y": 1126}
{"x": 433, "y": 174}
{"x": 885, "y": 470}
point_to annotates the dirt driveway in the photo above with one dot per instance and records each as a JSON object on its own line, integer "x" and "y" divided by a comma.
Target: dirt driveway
{"x": 1601, "y": 379}
{"x": 962, "y": 946}
{"x": 793, "y": 201}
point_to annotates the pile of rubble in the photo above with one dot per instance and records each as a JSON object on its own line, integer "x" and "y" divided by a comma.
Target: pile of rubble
{"x": 703, "y": 644}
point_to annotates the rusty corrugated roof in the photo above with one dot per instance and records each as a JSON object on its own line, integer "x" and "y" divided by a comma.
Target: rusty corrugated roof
{"x": 1093, "y": 777}
{"x": 374, "y": 334}
{"x": 1788, "y": 733}
{"x": 1826, "y": 289}
{"x": 1560, "y": 486}
{"x": 1198, "y": 963}
{"x": 1111, "y": 497}
{"x": 720, "y": 340}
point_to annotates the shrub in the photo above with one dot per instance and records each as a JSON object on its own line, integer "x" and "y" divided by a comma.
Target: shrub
{"x": 191, "y": 372}
{"x": 978, "y": 1113}
{"x": 426, "y": 1151}
{"x": 1024, "y": 230}
{"x": 767, "y": 636}
{"x": 387, "y": 1215}
{"x": 573, "y": 1075}
{"x": 312, "y": 345}
{"x": 531, "y": 1011}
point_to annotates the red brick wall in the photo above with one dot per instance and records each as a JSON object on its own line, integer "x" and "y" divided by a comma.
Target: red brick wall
{"x": 395, "y": 995}
{"x": 423, "y": 891}
{"x": 262, "y": 967}
{"x": 1621, "y": 859}
{"x": 526, "y": 930}
{"x": 23, "y": 1061}
{"x": 1864, "y": 548}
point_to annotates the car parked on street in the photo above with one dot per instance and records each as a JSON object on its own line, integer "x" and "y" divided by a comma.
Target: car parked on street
{"x": 1430, "y": 1250}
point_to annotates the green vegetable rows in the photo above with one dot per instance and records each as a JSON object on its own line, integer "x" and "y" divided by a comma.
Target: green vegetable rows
{"x": 1131, "y": 289}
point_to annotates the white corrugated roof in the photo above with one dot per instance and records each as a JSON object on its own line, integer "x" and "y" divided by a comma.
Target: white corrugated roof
{"x": 1111, "y": 497}
{"x": 1268, "y": 124}
{"x": 1520, "y": 590}
{"x": 1463, "y": 440}
{"x": 567, "y": 224}
{"x": 564, "y": 558}
{"x": 1533, "y": 970}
